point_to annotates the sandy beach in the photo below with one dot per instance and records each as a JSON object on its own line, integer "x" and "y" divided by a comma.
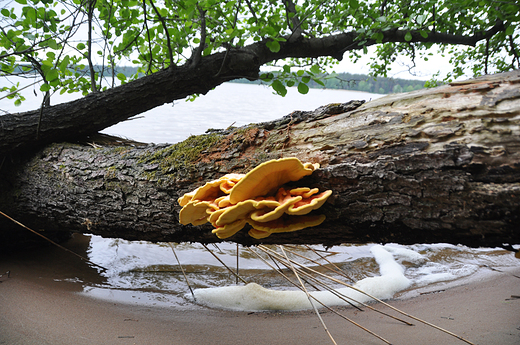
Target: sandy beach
{"x": 39, "y": 308}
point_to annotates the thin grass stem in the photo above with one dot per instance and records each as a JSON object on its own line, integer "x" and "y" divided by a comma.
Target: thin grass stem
{"x": 223, "y": 264}
{"x": 324, "y": 305}
{"x": 384, "y": 303}
{"x": 51, "y": 241}
{"x": 310, "y": 299}
{"x": 182, "y": 270}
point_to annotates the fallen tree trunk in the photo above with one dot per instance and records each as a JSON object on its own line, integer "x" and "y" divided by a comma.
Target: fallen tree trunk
{"x": 436, "y": 165}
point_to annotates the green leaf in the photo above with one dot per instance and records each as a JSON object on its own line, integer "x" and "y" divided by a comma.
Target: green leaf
{"x": 22, "y": 2}
{"x": 315, "y": 69}
{"x": 51, "y": 75}
{"x": 318, "y": 81}
{"x": 45, "y": 87}
{"x": 279, "y": 88}
{"x": 303, "y": 88}
{"x": 423, "y": 33}
{"x": 64, "y": 64}
{"x": 408, "y": 36}
{"x": 121, "y": 76}
{"x": 421, "y": 19}
{"x": 510, "y": 30}
{"x": 273, "y": 46}
{"x": 80, "y": 46}
{"x": 306, "y": 79}
{"x": 6, "y": 12}
{"x": 52, "y": 44}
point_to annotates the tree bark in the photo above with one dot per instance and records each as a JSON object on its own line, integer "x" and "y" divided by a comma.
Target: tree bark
{"x": 435, "y": 165}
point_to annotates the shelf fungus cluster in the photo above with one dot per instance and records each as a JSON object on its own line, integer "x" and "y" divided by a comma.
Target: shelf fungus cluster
{"x": 258, "y": 198}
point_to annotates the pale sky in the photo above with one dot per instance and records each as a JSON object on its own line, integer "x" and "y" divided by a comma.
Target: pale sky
{"x": 424, "y": 70}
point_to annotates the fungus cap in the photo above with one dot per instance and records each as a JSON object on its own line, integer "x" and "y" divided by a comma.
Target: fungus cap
{"x": 242, "y": 210}
{"x": 258, "y": 234}
{"x": 306, "y": 205}
{"x": 229, "y": 181}
{"x": 288, "y": 223}
{"x": 268, "y": 177}
{"x": 186, "y": 198}
{"x": 305, "y": 192}
{"x": 229, "y": 229}
{"x": 194, "y": 212}
{"x": 267, "y": 215}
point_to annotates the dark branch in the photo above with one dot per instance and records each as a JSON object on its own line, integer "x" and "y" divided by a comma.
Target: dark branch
{"x": 90, "y": 14}
{"x": 197, "y": 53}
{"x": 163, "y": 23}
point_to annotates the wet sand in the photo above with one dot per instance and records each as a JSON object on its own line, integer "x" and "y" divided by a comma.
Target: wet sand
{"x": 37, "y": 308}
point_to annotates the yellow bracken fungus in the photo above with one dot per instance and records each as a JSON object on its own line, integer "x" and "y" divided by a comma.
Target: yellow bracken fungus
{"x": 257, "y": 198}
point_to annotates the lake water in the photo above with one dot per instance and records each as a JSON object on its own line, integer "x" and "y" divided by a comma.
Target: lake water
{"x": 228, "y": 104}
{"x": 147, "y": 273}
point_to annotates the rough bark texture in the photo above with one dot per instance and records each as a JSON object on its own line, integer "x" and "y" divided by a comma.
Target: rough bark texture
{"x": 437, "y": 165}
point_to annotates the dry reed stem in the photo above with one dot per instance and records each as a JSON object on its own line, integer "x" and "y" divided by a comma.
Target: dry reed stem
{"x": 324, "y": 305}
{"x": 222, "y": 262}
{"x": 336, "y": 268}
{"x": 346, "y": 298}
{"x": 382, "y": 302}
{"x": 182, "y": 270}
{"x": 51, "y": 241}
{"x": 310, "y": 299}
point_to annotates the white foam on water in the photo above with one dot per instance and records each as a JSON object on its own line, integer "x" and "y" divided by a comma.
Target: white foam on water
{"x": 140, "y": 268}
{"x": 405, "y": 254}
{"x": 253, "y": 297}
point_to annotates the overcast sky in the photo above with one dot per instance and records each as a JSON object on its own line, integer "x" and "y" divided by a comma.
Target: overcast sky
{"x": 424, "y": 70}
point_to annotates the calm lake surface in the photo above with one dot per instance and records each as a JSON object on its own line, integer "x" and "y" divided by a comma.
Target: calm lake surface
{"x": 147, "y": 273}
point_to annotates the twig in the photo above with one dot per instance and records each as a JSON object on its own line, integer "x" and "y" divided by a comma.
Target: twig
{"x": 238, "y": 259}
{"x": 309, "y": 297}
{"x": 51, "y": 241}
{"x": 323, "y": 285}
{"x": 166, "y": 32}
{"x": 336, "y": 270}
{"x": 324, "y": 305}
{"x": 222, "y": 262}
{"x": 20, "y": 89}
{"x": 346, "y": 298}
{"x": 384, "y": 303}
{"x": 182, "y": 270}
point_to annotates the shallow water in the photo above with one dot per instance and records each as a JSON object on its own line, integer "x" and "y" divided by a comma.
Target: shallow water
{"x": 146, "y": 273}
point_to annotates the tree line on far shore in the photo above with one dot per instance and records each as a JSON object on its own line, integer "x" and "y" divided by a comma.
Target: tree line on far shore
{"x": 339, "y": 81}
{"x": 360, "y": 82}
